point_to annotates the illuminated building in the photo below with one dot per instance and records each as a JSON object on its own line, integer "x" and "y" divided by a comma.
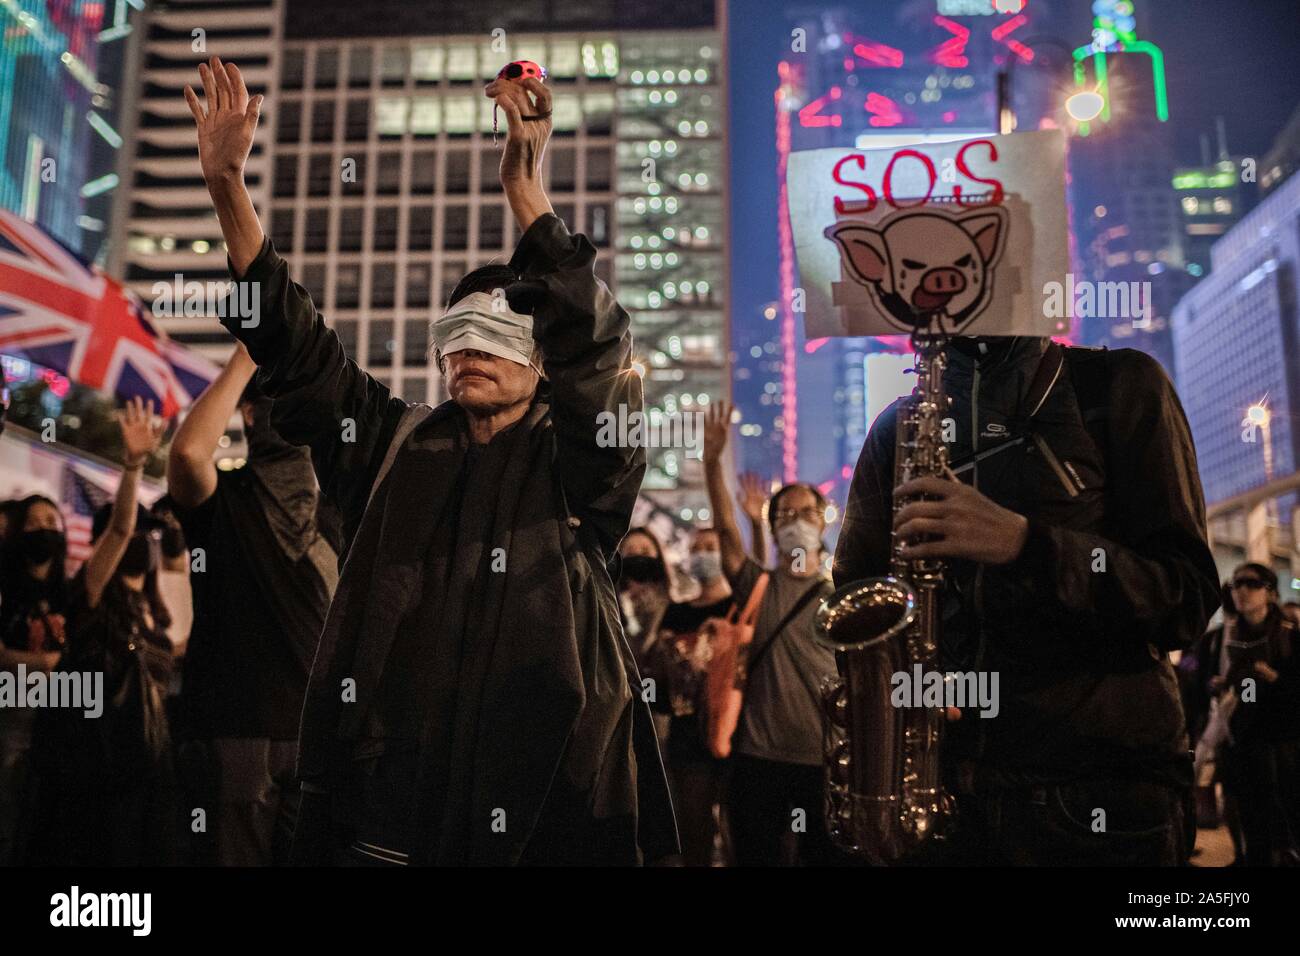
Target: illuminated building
{"x": 1283, "y": 158}
{"x": 1126, "y": 217}
{"x": 58, "y": 145}
{"x": 376, "y": 173}
{"x": 1236, "y": 338}
{"x": 861, "y": 80}
{"x": 167, "y": 226}
{"x": 1211, "y": 198}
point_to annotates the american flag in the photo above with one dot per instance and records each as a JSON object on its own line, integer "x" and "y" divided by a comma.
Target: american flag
{"x": 58, "y": 311}
{"x": 81, "y": 499}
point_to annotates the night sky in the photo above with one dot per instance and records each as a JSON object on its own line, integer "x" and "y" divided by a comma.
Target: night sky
{"x": 1235, "y": 59}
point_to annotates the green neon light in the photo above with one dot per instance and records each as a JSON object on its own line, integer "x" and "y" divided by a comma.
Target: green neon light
{"x": 1099, "y": 65}
{"x": 1197, "y": 179}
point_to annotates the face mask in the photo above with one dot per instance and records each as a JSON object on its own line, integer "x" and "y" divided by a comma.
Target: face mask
{"x": 41, "y": 545}
{"x": 140, "y": 556}
{"x": 799, "y": 534}
{"x": 643, "y": 569}
{"x": 706, "y": 565}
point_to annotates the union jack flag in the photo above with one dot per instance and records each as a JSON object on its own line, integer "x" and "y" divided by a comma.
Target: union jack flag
{"x": 58, "y": 311}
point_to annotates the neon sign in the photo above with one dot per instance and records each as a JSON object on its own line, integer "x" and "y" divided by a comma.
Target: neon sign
{"x": 1114, "y": 30}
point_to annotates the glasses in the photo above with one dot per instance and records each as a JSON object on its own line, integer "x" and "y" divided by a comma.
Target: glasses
{"x": 811, "y": 513}
{"x": 1253, "y": 583}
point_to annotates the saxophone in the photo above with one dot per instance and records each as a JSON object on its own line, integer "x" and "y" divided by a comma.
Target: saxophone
{"x": 884, "y": 794}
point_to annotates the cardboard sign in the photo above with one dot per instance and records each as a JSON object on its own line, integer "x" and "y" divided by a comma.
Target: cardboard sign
{"x": 960, "y": 236}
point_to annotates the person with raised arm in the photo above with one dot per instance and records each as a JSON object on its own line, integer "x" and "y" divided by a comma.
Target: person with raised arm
{"x": 262, "y": 573}
{"x": 473, "y": 699}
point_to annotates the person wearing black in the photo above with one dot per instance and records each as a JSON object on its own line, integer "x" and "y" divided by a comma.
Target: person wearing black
{"x": 262, "y": 575}
{"x": 1250, "y": 669}
{"x": 776, "y": 790}
{"x": 681, "y": 654}
{"x": 1077, "y": 560}
{"x": 33, "y": 609}
{"x": 644, "y": 594}
{"x": 472, "y": 700}
{"x": 107, "y": 781}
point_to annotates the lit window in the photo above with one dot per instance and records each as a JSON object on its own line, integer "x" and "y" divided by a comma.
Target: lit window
{"x": 428, "y": 63}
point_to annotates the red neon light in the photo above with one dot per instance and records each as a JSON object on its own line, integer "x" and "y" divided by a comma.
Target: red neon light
{"x": 808, "y": 116}
{"x": 951, "y": 53}
{"x": 883, "y": 110}
{"x": 812, "y": 345}
{"x": 874, "y": 52}
{"x": 1016, "y": 47}
{"x": 785, "y": 236}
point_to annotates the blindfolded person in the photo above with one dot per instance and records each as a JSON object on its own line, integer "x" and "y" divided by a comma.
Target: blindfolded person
{"x": 472, "y": 700}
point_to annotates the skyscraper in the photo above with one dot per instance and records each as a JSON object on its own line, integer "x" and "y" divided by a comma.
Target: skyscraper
{"x": 376, "y": 173}
{"x": 1236, "y": 337}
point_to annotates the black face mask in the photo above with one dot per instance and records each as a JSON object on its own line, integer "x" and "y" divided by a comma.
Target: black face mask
{"x": 643, "y": 569}
{"x": 140, "y": 556}
{"x": 41, "y": 545}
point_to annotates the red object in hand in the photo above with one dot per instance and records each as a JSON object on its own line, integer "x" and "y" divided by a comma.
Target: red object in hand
{"x": 520, "y": 69}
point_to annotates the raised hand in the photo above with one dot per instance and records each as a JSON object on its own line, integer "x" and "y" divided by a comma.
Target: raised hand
{"x": 527, "y": 105}
{"x": 752, "y": 496}
{"x": 528, "y": 126}
{"x": 226, "y": 128}
{"x": 141, "y": 432}
{"x": 717, "y": 428}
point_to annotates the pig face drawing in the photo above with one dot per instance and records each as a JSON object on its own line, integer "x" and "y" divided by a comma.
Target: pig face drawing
{"x": 925, "y": 265}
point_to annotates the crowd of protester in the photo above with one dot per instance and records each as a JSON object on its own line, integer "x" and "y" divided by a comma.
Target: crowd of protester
{"x": 353, "y": 559}
{"x": 205, "y": 673}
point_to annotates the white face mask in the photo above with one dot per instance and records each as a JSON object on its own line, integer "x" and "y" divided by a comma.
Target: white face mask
{"x": 799, "y": 534}
{"x": 706, "y": 565}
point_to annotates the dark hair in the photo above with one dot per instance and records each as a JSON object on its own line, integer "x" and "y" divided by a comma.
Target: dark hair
{"x": 659, "y": 548}
{"x": 487, "y": 279}
{"x": 116, "y": 596}
{"x": 775, "y": 501}
{"x": 19, "y": 589}
{"x": 1266, "y": 574}
{"x": 10, "y": 558}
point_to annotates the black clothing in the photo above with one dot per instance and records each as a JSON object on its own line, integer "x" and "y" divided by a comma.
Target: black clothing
{"x": 108, "y": 789}
{"x": 776, "y": 815}
{"x": 1115, "y": 573}
{"x": 1140, "y": 824}
{"x": 257, "y": 617}
{"x": 1275, "y": 715}
{"x": 1261, "y": 760}
{"x": 696, "y": 775}
{"x": 522, "y": 721}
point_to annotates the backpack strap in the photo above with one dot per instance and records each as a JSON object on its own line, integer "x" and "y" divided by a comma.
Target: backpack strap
{"x": 749, "y": 614}
{"x": 1090, "y": 373}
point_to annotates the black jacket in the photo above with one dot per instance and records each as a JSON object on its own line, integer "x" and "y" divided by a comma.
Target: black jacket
{"x": 542, "y": 726}
{"x": 1115, "y": 573}
{"x": 1274, "y": 714}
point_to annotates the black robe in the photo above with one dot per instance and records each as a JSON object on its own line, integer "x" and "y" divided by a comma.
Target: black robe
{"x": 533, "y": 744}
